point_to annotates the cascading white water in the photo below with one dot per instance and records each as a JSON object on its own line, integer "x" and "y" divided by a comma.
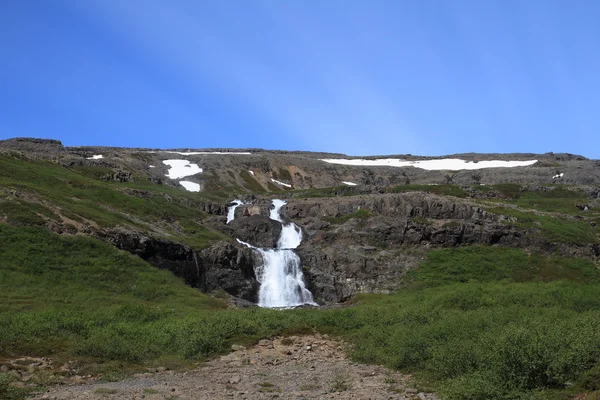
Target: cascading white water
{"x": 231, "y": 210}
{"x": 274, "y": 214}
{"x": 291, "y": 236}
{"x": 281, "y": 280}
{"x": 280, "y": 276}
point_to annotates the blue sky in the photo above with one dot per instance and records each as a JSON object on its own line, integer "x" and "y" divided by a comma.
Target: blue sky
{"x": 362, "y": 77}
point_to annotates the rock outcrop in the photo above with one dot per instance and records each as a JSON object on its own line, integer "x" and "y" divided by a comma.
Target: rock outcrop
{"x": 222, "y": 266}
{"x": 258, "y": 230}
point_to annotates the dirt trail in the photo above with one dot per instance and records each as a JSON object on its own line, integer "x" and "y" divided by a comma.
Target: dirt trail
{"x": 297, "y": 367}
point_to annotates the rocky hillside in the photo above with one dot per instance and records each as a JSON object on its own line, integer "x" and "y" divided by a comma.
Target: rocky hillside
{"x": 364, "y": 226}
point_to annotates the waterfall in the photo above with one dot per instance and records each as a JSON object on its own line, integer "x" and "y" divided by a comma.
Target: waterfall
{"x": 280, "y": 276}
{"x": 274, "y": 214}
{"x": 231, "y": 210}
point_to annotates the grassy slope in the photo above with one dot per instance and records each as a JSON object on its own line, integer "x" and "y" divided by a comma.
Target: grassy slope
{"x": 478, "y": 323}
{"x": 498, "y": 336}
{"x": 48, "y": 191}
{"x": 553, "y": 213}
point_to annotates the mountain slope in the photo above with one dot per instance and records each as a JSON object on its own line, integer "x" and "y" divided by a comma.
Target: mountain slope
{"x": 484, "y": 260}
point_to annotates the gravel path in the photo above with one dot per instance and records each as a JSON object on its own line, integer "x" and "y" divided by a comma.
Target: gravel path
{"x": 297, "y": 367}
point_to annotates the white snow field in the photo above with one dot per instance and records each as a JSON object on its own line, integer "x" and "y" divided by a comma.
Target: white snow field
{"x": 190, "y": 186}
{"x": 349, "y": 183}
{"x": 95, "y": 157}
{"x": 281, "y": 183}
{"x": 251, "y": 172}
{"x": 558, "y": 175}
{"x": 181, "y": 168}
{"x": 452, "y": 164}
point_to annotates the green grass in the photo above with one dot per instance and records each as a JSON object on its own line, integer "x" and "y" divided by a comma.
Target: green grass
{"x": 444, "y": 190}
{"x": 8, "y": 392}
{"x": 560, "y": 199}
{"x": 478, "y": 323}
{"x": 47, "y": 191}
{"x": 506, "y": 190}
{"x": 25, "y": 214}
{"x": 557, "y": 199}
{"x": 251, "y": 183}
{"x": 491, "y": 264}
{"x": 358, "y": 214}
{"x": 554, "y": 228}
{"x": 105, "y": 391}
{"x": 284, "y": 175}
{"x": 559, "y": 203}
{"x": 337, "y": 191}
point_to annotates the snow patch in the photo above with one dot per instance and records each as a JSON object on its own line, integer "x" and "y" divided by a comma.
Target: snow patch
{"x": 558, "y": 175}
{"x": 196, "y": 153}
{"x": 190, "y": 186}
{"x": 181, "y": 168}
{"x": 452, "y": 164}
{"x": 251, "y": 172}
{"x": 151, "y": 166}
{"x": 349, "y": 183}
{"x": 95, "y": 157}
{"x": 281, "y": 183}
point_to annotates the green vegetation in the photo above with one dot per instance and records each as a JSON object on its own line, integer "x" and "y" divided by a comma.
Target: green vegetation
{"x": 337, "y": 191}
{"x": 555, "y": 228}
{"x": 490, "y": 264}
{"x": 283, "y": 174}
{"x": 105, "y": 391}
{"x": 8, "y": 392}
{"x": 251, "y": 183}
{"x": 551, "y": 211}
{"x": 478, "y": 323}
{"x": 47, "y": 191}
{"x": 358, "y": 214}
{"x": 273, "y": 188}
{"x": 422, "y": 220}
{"x": 559, "y": 199}
{"x": 21, "y": 213}
{"x": 506, "y": 190}
{"x": 445, "y": 190}
{"x": 340, "y": 382}
{"x": 474, "y": 322}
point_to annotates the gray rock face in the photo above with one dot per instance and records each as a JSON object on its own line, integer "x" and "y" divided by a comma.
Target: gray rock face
{"x": 258, "y": 230}
{"x": 118, "y": 176}
{"x": 373, "y": 254}
{"x": 32, "y": 145}
{"x": 222, "y": 266}
{"x": 229, "y": 268}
